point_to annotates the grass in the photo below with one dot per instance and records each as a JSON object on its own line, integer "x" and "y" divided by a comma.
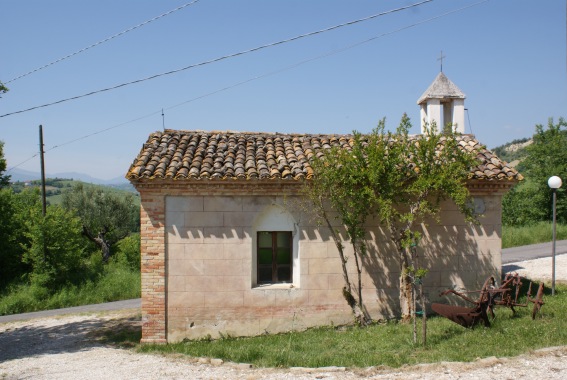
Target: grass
{"x": 537, "y": 233}
{"x": 390, "y": 344}
{"x": 116, "y": 283}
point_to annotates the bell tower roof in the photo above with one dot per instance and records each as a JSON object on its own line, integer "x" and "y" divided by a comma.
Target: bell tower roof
{"x": 441, "y": 88}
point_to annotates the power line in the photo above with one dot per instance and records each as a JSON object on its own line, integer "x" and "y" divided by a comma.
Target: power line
{"x": 21, "y": 163}
{"x": 81, "y": 138}
{"x": 222, "y": 57}
{"x": 330, "y": 53}
{"x": 327, "y": 54}
{"x": 101, "y": 131}
{"x": 103, "y": 41}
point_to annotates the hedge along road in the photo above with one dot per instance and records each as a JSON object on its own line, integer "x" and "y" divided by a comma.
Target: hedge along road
{"x": 509, "y": 255}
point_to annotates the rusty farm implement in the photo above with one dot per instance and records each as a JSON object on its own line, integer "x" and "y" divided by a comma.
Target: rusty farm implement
{"x": 489, "y": 297}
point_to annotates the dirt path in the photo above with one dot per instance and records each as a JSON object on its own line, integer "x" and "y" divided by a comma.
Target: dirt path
{"x": 68, "y": 347}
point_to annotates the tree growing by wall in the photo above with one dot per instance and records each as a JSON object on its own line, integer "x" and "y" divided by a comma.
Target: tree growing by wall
{"x": 106, "y": 217}
{"x": 342, "y": 185}
{"x": 398, "y": 179}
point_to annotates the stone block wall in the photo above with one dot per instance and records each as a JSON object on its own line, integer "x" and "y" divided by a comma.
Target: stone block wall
{"x": 211, "y": 271}
{"x": 198, "y": 269}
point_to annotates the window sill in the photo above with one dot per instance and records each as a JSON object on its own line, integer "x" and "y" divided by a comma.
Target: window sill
{"x": 273, "y": 286}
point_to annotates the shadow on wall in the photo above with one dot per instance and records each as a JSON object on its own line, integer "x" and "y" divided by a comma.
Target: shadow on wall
{"x": 458, "y": 255}
{"x": 453, "y": 258}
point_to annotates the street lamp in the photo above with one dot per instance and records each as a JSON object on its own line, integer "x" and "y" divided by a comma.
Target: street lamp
{"x": 554, "y": 183}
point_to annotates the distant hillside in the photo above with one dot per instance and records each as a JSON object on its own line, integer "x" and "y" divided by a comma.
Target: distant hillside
{"x": 513, "y": 152}
{"x": 26, "y": 175}
{"x": 55, "y": 187}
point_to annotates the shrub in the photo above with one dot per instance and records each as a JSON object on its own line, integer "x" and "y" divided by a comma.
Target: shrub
{"x": 55, "y": 250}
{"x": 128, "y": 252}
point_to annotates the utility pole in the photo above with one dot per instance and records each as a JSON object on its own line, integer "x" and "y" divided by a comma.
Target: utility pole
{"x": 43, "y": 198}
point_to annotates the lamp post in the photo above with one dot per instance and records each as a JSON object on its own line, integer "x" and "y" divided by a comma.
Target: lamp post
{"x": 554, "y": 183}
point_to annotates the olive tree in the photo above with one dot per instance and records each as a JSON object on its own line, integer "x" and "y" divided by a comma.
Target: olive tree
{"x": 106, "y": 217}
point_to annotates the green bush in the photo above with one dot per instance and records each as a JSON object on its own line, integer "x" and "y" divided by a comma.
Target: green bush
{"x": 115, "y": 282}
{"x": 11, "y": 251}
{"x": 128, "y": 252}
{"x": 55, "y": 250}
{"x": 530, "y": 202}
{"x": 23, "y": 299}
{"x": 94, "y": 267}
{"x": 46, "y": 261}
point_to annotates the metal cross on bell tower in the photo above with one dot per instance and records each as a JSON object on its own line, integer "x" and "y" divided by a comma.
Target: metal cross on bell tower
{"x": 441, "y": 56}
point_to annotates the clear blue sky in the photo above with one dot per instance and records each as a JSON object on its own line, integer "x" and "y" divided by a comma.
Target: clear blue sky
{"x": 507, "y": 56}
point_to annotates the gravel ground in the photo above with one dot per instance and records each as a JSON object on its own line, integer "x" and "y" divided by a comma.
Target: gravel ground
{"x": 67, "y": 347}
{"x": 540, "y": 269}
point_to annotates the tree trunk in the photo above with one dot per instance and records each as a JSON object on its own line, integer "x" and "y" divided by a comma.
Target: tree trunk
{"x": 414, "y": 316}
{"x": 405, "y": 298}
{"x": 105, "y": 248}
{"x": 406, "y": 285}
{"x": 406, "y": 281}
{"x": 360, "y": 315}
{"x": 365, "y": 318}
{"x": 100, "y": 241}
{"x": 423, "y": 316}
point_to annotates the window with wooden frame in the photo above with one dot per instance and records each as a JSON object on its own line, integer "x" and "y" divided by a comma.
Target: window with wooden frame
{"x": 274, "y": 257}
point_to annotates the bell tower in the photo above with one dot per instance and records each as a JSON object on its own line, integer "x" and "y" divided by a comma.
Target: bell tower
{"x": 443, "y": 103}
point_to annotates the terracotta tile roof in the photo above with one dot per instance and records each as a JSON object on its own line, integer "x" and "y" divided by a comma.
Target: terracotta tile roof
{"x": 198, "y": 155}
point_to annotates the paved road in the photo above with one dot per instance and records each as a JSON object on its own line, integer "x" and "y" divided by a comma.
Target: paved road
{"x": 530, "y": 252}
{"x": 509, "y": 255}
{"x": 118, "y": 305}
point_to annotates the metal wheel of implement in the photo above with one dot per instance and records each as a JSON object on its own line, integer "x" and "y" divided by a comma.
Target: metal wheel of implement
{"x": 538, "y": 301}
